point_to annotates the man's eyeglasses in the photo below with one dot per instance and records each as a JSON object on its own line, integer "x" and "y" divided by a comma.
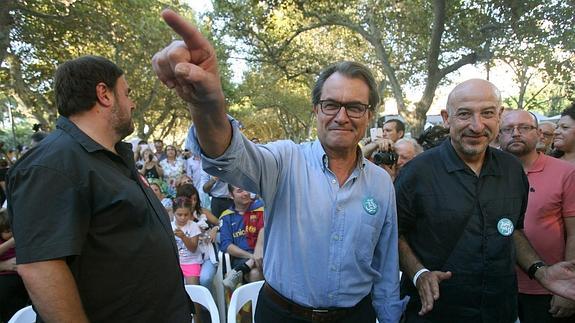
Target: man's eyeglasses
{"x": 523, "y": 129}
{"x": 354, "y": 110}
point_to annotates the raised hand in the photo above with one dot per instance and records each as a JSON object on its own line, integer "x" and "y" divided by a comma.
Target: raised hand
{"x": 428, "y": 288}
{"x": 189, "y": 66}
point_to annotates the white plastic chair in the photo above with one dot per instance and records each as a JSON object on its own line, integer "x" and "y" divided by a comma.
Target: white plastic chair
{"x": 24, "y": 315}
{"x": 224, "y": 262}
{"x": 201, "y": 295}
{"x": 241, "y": 296}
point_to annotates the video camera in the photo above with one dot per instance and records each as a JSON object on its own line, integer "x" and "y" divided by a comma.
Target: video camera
{"x": 388, "y": 158}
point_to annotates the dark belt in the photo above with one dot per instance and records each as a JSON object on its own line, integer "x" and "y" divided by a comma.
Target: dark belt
{"x": 311, "y": 314}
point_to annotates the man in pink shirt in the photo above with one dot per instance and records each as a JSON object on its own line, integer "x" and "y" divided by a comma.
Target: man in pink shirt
{"x": 550, "y": 218}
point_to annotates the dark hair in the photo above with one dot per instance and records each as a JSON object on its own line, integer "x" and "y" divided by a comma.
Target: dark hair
{"x": 349, "y": 69}
{"x": 399, "y": 125}
{"x": 158, "y": 140}
{"x": 183, "y": 202}
{"x": 187, "y": 191}
{"x": 433, "y": 136}
{"x": 569, "y": 111}
{"x": 75, "y": 83}
{"x": 4, "y": 221}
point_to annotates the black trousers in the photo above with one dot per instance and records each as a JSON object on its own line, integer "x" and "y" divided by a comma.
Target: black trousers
{"x": 219, "y": 205}
{"x": 13, "y": 296}
{"x": 535, "y": 309}
{"x": 267, "y": 311}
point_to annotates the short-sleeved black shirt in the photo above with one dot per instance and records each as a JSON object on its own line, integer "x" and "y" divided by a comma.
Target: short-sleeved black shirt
{"x": 450, "y": 218}
{"x": 71, "y": 198}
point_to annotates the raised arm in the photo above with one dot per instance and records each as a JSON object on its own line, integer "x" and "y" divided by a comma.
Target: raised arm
{"x": 190, "y": 67}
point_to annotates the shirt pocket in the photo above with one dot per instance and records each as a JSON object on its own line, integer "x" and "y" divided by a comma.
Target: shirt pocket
{"x": 366, "y": 237}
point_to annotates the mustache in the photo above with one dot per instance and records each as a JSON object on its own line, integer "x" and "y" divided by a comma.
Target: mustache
{"x": 471, "y": 133}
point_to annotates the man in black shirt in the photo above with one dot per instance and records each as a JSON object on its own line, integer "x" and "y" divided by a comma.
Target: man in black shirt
{"x": 460, "y": 216}
{"x": 93, "y": 242}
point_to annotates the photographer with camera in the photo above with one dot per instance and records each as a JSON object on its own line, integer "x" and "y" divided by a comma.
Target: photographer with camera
{"x": 392, "y": 156}
{"x": 150, "y": 167}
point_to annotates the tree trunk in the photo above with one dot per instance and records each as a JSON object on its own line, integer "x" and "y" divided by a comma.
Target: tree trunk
{"x": 6, "y": 24}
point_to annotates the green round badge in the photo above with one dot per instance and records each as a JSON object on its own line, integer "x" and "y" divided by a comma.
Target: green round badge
{"x": 370, "y": 205}
{"x": 505, "y": 227}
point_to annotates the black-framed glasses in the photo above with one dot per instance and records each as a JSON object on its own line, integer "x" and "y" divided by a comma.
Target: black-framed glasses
{"x": 354, "y": 110}
{"x": 523, "y": 129}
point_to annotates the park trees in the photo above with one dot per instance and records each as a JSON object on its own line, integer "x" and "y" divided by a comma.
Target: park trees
{"x": 411, "y": 43}
{"x": 45, "y": 33}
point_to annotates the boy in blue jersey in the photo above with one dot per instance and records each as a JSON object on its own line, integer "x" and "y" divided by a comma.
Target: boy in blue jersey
{"x": 241, "y": 236}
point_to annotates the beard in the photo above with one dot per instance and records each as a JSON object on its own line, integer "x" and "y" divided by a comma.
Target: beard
{"x": 121, "y": 122}
{"x": 519, "y": 148}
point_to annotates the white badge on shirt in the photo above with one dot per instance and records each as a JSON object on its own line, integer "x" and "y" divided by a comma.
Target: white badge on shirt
{"x": 505, "y": 227}
{"x": 370, "y": 205}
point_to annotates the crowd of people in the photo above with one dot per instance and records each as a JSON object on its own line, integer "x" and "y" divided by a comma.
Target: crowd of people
{"x": 478, "y": 214}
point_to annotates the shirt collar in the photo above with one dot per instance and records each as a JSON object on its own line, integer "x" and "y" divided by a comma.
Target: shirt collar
{"x": 454, "y": 163}
{"x": 320, "y": 154}
{"x": 539, "y": 164}
{"x": 89, "y": 144}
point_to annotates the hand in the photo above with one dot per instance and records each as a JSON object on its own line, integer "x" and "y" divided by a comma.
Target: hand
{"x": 428, "y": 288}
{"x": 559, "y": 278}
{"x": 189, "y": 66}
{"x": 179, "y": 233}
{"x": 561, "y": 307}
{"x": 8, "y": 265}
{"x": 384, "y": 144}
{"x": 258, "y": 256}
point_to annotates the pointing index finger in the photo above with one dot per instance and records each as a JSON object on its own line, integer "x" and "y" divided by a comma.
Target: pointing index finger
{"x": 190, "y": 34}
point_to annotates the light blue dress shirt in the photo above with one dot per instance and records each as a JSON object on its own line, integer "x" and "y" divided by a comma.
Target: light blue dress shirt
{"x": 325, "y": 245}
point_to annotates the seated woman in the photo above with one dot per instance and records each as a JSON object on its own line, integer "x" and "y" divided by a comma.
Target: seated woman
{"x": 150, "y": 167}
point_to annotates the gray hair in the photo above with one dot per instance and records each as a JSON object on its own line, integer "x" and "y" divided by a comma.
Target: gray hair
{"x": 416, "y": 147}
{"x": 349, "y": 69}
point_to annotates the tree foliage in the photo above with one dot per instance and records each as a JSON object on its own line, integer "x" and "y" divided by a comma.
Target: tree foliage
{"x": 45, "y": 33}
{"x": 409, "y": 43}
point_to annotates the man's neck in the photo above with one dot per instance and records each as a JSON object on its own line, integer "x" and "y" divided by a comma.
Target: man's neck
{"x": 241, "y": 208}
{"x": 529, "y": 159}
{"x": 570, "y": 156}
{"x": 474, "y": 162}
{"x": 94, "y": 129}
{"x": 342, "y": 164}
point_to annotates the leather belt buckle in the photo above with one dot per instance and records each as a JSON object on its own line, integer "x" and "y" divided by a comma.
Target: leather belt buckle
{"x": 318, "y": 315}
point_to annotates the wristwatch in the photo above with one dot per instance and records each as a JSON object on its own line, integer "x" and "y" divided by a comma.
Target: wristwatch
{"x": 533, "y": 269}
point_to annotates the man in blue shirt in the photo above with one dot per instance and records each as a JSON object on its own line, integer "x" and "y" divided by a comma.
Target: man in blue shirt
{"x": 330, "y": 228}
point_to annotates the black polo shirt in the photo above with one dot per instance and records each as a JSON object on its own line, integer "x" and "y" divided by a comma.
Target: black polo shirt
{"x": 71, "y": 198}
{"x": 450, "y": 218}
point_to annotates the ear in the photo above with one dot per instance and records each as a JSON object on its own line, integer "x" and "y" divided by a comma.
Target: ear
{"x": 445, "y": 117}
{"x": 105, "y": 95}
{"x": 315, "y": 109}
{"x": 501, "y": 109}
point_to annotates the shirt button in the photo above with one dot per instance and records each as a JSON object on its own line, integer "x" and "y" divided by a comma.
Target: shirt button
{"x": 219, "y": 168}
{"x": 333, "y": 181}
{"x": 333, "y": 268}
{"x": 336, "y": 237}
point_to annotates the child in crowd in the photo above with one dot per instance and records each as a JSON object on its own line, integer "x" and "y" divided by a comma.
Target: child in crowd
{"x": 187, "y": 234}
{"x": 13, "y": 295}
{"x": 209, "y": 225}
{"x": 166, "y": 202}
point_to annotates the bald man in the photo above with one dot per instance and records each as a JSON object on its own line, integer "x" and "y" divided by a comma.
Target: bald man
{"x": 460, "y": 214}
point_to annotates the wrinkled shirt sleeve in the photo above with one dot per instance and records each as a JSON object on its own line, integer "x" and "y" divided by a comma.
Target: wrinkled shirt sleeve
{"x": 385, "y": 293}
